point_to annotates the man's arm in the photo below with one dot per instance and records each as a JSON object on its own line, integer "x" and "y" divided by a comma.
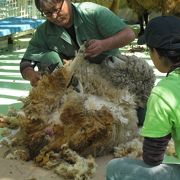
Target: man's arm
{"x": 122, "y": 38}
{"x": 28, "y": 72}
{"x": 119, "y": 40}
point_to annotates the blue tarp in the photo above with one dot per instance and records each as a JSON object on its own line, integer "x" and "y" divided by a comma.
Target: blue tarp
{"x": 13, "y": 25}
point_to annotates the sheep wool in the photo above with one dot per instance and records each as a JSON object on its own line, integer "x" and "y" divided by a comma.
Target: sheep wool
{"x": 62, "y": 121}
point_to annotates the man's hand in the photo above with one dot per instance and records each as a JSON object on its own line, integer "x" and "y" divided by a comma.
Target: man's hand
{"x": 35, "y": 77}
{"x": 94, "y": 47}
{"x": 32, "y": 76}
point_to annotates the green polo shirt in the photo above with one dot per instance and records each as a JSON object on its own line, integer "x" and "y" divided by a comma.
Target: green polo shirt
{"x": 163, "y": 110}
{"x": 91, "y": 21}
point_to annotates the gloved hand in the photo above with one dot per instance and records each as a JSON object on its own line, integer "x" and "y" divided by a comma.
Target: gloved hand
{"x": 31, "y": 75}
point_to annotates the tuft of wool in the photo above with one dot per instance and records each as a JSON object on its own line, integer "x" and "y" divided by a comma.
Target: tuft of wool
{"x": 131, "y": 149}
{"x": 74, "y": 166}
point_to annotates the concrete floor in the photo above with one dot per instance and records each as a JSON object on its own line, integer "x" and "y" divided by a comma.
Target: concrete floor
{"x": 20, "y": 170}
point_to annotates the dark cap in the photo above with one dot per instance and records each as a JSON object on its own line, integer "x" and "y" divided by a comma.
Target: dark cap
{"x": 162, "y": 32}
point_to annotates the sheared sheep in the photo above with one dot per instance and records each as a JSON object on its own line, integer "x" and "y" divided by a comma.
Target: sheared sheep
{"x": 91, "y": 121}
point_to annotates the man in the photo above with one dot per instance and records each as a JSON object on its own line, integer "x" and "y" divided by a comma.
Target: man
{"x": 67, "y": 27}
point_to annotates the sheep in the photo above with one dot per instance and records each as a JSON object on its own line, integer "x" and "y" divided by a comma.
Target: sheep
{"x": 113, "y": 5}
{"x": 167, "y": 7}
{"x": 141, "y": 12}
{"x": 143, "y": 7}
{"x": 75, "y": 167}
{"x": 171, "y": 7}
{"x": 99, "y": 116}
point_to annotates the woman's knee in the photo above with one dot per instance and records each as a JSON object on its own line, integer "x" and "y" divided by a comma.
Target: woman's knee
{"x": 115, "y": 168}
{"x": 122, "y": 168}
{"x": 110, "y": 166}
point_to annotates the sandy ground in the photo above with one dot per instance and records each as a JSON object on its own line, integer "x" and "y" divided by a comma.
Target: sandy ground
{"x": 20, "y": 170}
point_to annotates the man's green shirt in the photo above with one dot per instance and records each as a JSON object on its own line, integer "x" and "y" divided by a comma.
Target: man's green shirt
{"x": 91, "y": 21}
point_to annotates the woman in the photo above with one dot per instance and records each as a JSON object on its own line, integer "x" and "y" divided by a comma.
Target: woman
{"x": 162, "y": 121}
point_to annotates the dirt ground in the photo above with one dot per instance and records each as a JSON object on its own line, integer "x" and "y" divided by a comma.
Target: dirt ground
{"x": 20, "y": 170}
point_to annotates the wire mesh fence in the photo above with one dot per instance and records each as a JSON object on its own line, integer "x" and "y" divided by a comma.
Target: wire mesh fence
{"x": 23, "y": 8}
{"x": 26, "y": 8}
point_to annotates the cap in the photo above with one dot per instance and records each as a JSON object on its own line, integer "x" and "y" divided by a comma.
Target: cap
{"x": 162, "y": 32}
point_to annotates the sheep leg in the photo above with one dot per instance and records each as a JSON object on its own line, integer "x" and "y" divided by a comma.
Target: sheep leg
{"x": 146, "y": 14}
{"x": 141, "y": 23}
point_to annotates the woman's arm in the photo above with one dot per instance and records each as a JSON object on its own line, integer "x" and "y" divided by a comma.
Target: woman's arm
{"x": 154, "y": 149}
